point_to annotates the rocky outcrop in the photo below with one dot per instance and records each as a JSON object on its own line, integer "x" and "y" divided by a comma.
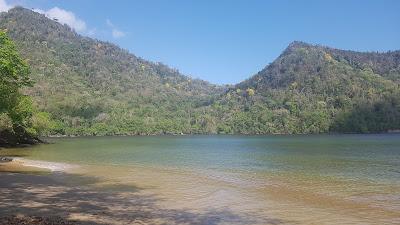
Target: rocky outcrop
{"x": 19, "y": 137}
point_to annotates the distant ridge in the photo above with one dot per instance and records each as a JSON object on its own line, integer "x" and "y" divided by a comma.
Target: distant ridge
{"x": 90, "y": 87}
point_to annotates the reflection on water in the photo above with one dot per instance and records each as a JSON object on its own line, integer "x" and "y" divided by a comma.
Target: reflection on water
{"x": 300, "y": 179}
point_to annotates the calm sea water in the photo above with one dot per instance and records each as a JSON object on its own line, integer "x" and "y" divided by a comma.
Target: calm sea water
{"x": 302, "y": 179}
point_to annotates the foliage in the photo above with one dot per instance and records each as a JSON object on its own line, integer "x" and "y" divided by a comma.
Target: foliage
{"x": 330, "y": 90}
{"x": 15, "y": 108}
{"x": 13, "y": 75}
{"x": 5, "y": 122}
{"x": 371, "y": 116}
{"x": 19, "y": 121}
{"x": 88, "y": 87}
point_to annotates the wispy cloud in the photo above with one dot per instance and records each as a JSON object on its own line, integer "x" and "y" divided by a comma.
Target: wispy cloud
{"x": 69, "y": 18}
{"x": 115, "y": 32}
{"x": 4, "y": 7}
{"x": 65, "y": 17}
{"x": 61, "y": 15}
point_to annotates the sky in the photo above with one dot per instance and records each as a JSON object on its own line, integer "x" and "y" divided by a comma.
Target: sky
{"x": 226, "y": 41}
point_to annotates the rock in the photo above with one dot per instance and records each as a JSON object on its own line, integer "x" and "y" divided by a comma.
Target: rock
{"x": 6, "y": 159}
{"x": 18, "y": 138}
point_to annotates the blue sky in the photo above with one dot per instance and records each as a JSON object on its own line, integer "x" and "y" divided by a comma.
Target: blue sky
{"x": 227, "y": 41}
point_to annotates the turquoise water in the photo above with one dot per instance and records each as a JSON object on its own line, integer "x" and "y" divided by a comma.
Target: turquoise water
{"x": 308, "y": 179}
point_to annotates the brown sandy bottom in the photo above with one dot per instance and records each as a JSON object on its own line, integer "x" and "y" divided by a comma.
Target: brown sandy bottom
{"x": 33, "y": 196}
{"x": 136, "y": 195}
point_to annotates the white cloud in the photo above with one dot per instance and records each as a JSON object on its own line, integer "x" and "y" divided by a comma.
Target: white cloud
{"x": 116, "y": 33}
{"x": 4, "y": 7}
{"x": 109, "y": 23}
{"x": 64, "y": 17}
{"x": 69, "y": 18}
{"x": 39, "y": 11}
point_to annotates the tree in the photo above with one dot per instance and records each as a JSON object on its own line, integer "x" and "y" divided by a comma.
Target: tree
{"x": 250, "y": 91}
{"x": 14, "y": 72}
{"x": 15, "y": 108}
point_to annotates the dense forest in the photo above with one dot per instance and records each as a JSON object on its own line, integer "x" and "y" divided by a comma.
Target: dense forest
{"x": 316, "y": 89}
{"x": 82, "y": 86}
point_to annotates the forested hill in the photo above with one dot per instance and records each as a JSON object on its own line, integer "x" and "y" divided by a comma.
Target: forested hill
{"x": 89, "y": 87}
{"x": 303, "y": 61}
{"x": 319, "y": 89}
{"x": 85, "y": 83}
{"x": 47, "y": 43}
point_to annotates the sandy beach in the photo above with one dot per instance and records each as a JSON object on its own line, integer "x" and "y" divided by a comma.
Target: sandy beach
{"x": 31, "y": 195}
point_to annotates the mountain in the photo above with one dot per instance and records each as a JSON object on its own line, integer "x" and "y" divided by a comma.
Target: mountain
{"x": 90, "y": 87}
{"x": 313, "y": 89}
{"x": 304, "y": 61}
{"x": 85, "y": 83}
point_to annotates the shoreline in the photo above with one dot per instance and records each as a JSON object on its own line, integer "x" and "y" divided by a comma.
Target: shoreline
{"x": 44, "y": 139}
{"x": 223, "y": 134}
{"x": 32, "y": 195}
{"x": 210, "y": 134}
{"x": 38, "y": 141}
{"x": 19, "y": 164}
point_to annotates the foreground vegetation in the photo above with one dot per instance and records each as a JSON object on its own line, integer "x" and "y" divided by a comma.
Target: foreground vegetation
{"x": 88, "y": 87}
{"x": 19, "y": 122}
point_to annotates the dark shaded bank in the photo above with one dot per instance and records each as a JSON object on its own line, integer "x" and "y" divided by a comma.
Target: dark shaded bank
{"x": 34, "y": 220}
{"x": 380, "y": 116}
{"x": 57, "y": 199}
{"x": 18, "y": 139}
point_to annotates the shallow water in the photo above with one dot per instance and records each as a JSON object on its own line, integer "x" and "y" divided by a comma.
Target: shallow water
{"x": 320, "y": 179}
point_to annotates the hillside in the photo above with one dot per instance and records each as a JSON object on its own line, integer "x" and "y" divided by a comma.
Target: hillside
{"x": 304, "y": 61}
{"x": 313, "y": 89}
{"x": 90, "y": 87}
{"x": 85, "y": 83}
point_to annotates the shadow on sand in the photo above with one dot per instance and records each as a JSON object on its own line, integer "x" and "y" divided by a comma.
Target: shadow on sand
{"x": 50, "y": 196}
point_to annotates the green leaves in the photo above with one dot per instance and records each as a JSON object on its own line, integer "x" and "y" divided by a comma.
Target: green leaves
{"x": 89, "y": 87}
{"x": 15, "y": 108}
{"x": 13, "y": 70}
